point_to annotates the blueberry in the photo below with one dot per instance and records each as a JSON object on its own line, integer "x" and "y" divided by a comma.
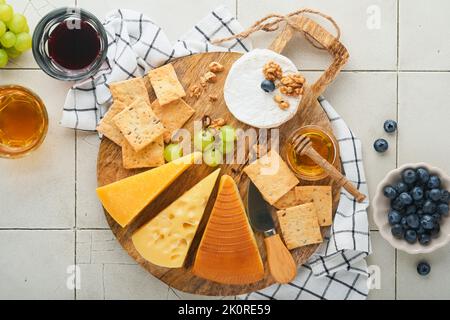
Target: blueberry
{"x": 423, "y": 175}
{"x": 427, "y": 222}
{"x": 397, "y": 204}
{"x": 443, "y": 209}
{"x": 417, "y": 193}
{"x": 397, "y": 231}
{"x": 404, "y": 223}
{"x": 423, "y": 268}
{"x": 381, "y": 145}
{"x": 429, "y": 207}
{"x": 434, "y": 182}
{"x": 436, "y": 217}
{"x": 409, "y": 176}
{"x": 394, "y": 217}
{"x": 390, "y": 192}
{"x": 413, "y": 221}
{"x": 268, "y": 86}
{"x": 420, "y": 212}
{"x": 424, "y": 239}
{"x": 411, "y": 236}
{"x": 445, "y": 196}
{"x": 421, "y": 230}
{"x": 390, "y": 126}
{"x": 401, "y": 187}
{"x": 411, "y": 210}
{"x": 435, "y": 231}
{"x": 419, "y": 204}
{"x": 435, "y": 194}
{"x": 405, "y": 198}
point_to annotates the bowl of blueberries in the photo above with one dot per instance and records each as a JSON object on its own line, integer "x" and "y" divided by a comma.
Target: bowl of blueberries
{"x": 411, "y": 208}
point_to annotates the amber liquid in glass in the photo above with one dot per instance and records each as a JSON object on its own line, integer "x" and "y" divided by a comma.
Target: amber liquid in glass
{"x": 23, "y": 121}
{"x": 303, "y": 165}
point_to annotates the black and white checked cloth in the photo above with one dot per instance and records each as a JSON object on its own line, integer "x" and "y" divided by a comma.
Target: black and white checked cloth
{"x": 338, "y": 269}
{"x": 136, "y": 45}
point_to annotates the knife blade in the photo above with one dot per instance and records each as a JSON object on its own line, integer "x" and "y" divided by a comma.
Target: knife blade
{"x": 282, "y": 266}
{"x": 259, "y": 214}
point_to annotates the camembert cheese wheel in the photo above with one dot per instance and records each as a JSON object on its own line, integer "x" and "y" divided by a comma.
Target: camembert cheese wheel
{"x": 228, "y": 252}
{"x": 165, "y": 240}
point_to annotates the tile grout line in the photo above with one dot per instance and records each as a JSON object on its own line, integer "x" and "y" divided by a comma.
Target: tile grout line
{"x": 75, "y": 212}
{"x": 397, "y": 135}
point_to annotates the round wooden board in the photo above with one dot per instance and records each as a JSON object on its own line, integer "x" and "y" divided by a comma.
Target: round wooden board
{"x": 109, "y": 169}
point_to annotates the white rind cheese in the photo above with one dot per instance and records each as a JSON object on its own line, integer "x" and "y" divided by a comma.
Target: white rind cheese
{"x": 247, "y": 101}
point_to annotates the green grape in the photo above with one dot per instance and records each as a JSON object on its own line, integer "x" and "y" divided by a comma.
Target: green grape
{"x": 23, "y": 42}
{"x": 6, "y": 12}
{"x": 3, "y": 58}
{"x": 8, "y": 40}
{"x": 212, "y": 156}
{"x": 13, "y": 53}
{"x": 173, "y": 152}
{"x": 27, "y": 28}
{"x": 2, "y": 1}
{"x": 228, "y": 133}
{"x": 203, "y": 139}
{"x": 17, "y": 24}
{"x": 2, "y": 28}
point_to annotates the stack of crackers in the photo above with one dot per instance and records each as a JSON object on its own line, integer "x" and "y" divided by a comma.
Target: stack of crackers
{"x": 140, "y": 127}
{"x": 302, "y": 209}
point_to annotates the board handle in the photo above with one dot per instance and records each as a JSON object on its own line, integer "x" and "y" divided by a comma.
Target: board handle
{"x": 281, "y": 264}
{"x": 315, "y": 32}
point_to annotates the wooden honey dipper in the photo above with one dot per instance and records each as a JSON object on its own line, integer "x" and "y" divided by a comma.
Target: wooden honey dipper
{"x": 303, "y": 146}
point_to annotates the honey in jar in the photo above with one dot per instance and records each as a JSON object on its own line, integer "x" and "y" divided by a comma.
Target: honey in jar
{"x": 322, "y": 142}
{"x": 23, "y": 121}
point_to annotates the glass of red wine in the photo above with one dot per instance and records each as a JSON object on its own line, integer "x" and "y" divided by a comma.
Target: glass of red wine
{"x": 70, "y": 44}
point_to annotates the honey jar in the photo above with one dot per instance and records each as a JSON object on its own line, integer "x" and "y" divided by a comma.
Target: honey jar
{"x": 322, "y": 142}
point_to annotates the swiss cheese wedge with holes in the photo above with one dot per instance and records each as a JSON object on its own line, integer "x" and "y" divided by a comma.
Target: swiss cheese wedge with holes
{"x": 126, "y": 198}
{"x": 228, "y": 253}
{"x": 165, "y": 240}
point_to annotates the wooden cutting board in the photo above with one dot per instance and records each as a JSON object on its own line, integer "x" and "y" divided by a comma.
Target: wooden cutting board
{"x": 189, "y": 69}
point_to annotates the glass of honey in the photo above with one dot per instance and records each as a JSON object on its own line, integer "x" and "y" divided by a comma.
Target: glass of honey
{"x": 23, "y": 121}
{"x": 322, "y": 142}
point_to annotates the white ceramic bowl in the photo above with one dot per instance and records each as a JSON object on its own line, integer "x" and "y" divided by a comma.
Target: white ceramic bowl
{"x": 381, "y": 207}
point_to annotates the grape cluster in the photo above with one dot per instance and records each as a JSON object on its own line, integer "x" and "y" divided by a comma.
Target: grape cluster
{"x": 15, "y": 35}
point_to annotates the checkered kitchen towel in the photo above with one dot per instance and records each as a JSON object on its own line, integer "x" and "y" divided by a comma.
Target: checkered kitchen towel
{"x": 136, "y": 45}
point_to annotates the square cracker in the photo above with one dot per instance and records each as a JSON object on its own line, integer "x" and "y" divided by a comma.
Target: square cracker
{"x": 149, "y": 157}
{"x": 165, "y": 83}
{"x": 173, "y": 116}
{"x": 107, "y": 126}
{"x": 129, "y": 91}
{"x": 322, "y": 199}
{"x": 299, "y": 226}
{"x": 287, "y": 201}
{"x": 271, "y": 176}
{"x": 139, "y": 124}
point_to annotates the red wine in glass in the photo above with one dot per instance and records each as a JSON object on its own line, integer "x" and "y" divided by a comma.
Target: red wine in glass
{"x": 74, "y": 45}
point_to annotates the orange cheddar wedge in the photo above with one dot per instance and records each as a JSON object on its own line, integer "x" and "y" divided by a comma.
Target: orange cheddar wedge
{"x": 165, "y": 240}
{"x": 228, "y": 253}
{"x": 126, "y": 198}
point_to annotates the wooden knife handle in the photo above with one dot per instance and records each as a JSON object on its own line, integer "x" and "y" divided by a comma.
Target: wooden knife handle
{"x": 338, "y": 177}
{"x": 281, "y": 264}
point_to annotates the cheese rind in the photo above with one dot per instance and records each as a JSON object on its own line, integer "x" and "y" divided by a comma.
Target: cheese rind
{"x": 166, "y": 239}
{"x": 228, "y": 252}
{"x": 125, "y": 199}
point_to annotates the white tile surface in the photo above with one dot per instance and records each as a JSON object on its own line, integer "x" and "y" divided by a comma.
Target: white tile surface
{"x": 382, "y": 261}
{"x": 34, "y": 10}
{"x": 370, "y": 49}
{"x": 169, "y": 14}
{"x": 424, "y": 34}
{"x": 38, "y": 191}
{"x": 34, "y": 264}
{"x": 107, "y": 272}
{"x": 423, "y": 118}
{"x": 365, "y": 100}
{"x": 89, "y": 210}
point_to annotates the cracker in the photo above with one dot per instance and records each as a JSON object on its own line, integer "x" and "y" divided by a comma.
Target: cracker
{"x": 165, "y": 83}
{"x": 321, "y": 197}
{"x": 299, "y": 226}
{"x": 271, "y": 176}
{"x": 149, "y": 157}
{"x": 107, "y": 126}
{"x": 287, "y": 201}
{"x": 129, "y": 91}
{"x": 139, "y": 124}
{"x": 173, "y": 116}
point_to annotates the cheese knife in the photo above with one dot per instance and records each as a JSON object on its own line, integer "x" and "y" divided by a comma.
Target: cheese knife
{"x": 281, "y": 264}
